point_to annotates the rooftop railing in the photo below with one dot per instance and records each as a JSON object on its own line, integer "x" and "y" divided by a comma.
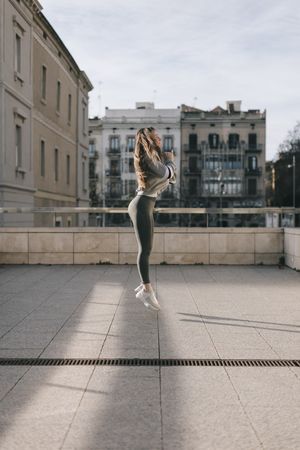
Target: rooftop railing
{"x": 167, "y": 216}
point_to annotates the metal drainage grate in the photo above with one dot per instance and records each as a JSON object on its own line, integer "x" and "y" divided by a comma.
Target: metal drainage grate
{"x": 149, "y": 362}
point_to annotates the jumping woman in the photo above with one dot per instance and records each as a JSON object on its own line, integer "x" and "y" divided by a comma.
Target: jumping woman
{"x": 154, "y": 171}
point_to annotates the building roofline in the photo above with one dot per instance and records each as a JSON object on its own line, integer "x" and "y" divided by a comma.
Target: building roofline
{"x": 86, "y": 79}
{"x": 48, "y": 25}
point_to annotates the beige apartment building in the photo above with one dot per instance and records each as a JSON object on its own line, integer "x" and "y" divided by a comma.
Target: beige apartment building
{"x": 44, "y": 118}
{"x": 17, "y": 185}
{"x": 60, "y": 126}
{"x": 223, "y": 157}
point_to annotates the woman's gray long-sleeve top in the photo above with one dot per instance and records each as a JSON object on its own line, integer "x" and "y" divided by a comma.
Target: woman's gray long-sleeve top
{"x": 159, "y": 175}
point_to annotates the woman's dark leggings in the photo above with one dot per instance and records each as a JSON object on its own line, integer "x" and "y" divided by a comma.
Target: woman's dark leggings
{"x": 140, "y": 210}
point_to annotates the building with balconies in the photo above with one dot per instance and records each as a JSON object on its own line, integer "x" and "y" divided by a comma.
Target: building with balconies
{"x": 115, "y": 145}
{"x": 223, "y": 156}
{"x": 95, "y": 163}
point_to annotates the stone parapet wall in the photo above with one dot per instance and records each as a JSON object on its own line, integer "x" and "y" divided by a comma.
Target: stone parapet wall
{"x": 118, "y": 246}
{"x": 292, "y": 247}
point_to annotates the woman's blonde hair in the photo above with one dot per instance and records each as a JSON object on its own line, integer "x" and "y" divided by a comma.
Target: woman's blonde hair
{"x": 146, "y": 145}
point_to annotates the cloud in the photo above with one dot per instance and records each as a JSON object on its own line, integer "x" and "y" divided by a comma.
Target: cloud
{"x": 210, "y": 50}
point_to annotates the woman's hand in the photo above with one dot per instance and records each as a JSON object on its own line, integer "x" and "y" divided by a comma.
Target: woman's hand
{"x": 169, "y": 155}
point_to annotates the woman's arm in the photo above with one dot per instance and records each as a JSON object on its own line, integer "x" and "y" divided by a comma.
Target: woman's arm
{"x": 163, "y": 170}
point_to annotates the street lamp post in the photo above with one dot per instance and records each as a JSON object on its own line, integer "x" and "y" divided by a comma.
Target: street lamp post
{"x": 294, "y": 180}
{"x": 293, "y": 165}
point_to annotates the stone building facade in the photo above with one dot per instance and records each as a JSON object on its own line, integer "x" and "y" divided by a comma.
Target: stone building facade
{"x": 115, "y": 146}
{"x": 60, "y": 126}
{"x": 44, "y": 118}
{"x": 96, "y": 169}
{"x": 17, "y": 186}
{"x": 223, "y": 157}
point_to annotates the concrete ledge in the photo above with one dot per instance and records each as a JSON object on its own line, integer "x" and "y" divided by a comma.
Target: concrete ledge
{"x": 292, "y": 247}
{"x": 13, "y": 242}
{"x": 231, "y": 258}
{"x": 51, "y": 258}
{"x": 50, "y": 242}
{"x": 171, "y": 245}
{"x": 96, "y": 258}
{"x": 13, "y": 258}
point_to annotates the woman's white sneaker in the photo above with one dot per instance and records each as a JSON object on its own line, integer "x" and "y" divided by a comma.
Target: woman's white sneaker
{"x": 149, "y": 299}
{"x": 137, "y": 289}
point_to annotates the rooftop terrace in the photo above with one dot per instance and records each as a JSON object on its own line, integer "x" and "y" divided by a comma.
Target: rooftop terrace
{"x": 208, "y": 312}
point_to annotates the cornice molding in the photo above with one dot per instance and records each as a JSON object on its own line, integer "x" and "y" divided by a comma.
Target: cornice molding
{"x": 34, "y": 6}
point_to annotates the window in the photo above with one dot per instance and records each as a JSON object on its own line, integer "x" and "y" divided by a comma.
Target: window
{"x": 114, "y": 143}
{"x": 132, "y": 187}
{"x": 168, "y": 143}
{"x": 252, "y": 186}
{"x": 212, "y": 187}
{"x": 192, "y": 186}
{"x": 130, "y": 144}
{"x": 213, "y": 140}
{"x": 233, "y": 187}
{"x": 44, "y": 82}
{"x": 69, "y": 108}
{"x": 233, "y": 162}
{"x": 252, "y": 141}
{"x": 131, "y": 165}
{"x": 92, "y": 170}
{"x": 233, "y": 140}
{"x": 125, "y": 187}
{"x": 115, "y": 188}
{"x": 83, "y": 176}
{"x": 193, "y": 141}
{"x": 68, "y": 169}
{"x": 252, "y": 162}
{"x": 58, "y": 89}
{"x": 193, "y": 163}
{"x": 18, "y": 54}
{"x": 92, "y": 147}
{"x": 56, "y": 164}
{"x": 83, "y": 119}
{"x": 213, "y": 162}
{"x": 42, "y": 158}
{"x": 18, "y": 146}
{"x": 114, "y": 167}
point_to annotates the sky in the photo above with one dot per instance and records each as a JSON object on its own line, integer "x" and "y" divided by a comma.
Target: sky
{"x": 197, "y": 52}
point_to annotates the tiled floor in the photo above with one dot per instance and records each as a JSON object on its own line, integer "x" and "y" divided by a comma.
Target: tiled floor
{"x": 207, "y": 312}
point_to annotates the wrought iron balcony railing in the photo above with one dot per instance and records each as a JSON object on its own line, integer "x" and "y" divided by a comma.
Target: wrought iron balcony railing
{"x": 252, "y": 171}
{"x": 113, "y": 151}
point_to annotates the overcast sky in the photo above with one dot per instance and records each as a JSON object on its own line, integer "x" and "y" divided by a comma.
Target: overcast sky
{"x": 197, "y": 52}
